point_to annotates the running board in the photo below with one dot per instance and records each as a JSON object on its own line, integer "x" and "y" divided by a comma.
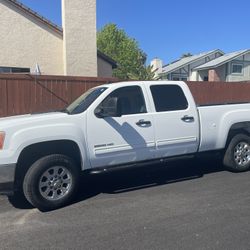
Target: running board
{"x": 102, "y": 170}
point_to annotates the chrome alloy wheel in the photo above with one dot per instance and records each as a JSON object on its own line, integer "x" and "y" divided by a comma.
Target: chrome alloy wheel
{"x": 55, "y": 183}
{"x": 242, "y": 153}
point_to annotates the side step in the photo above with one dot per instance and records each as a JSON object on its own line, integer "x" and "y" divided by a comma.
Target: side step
{"x": 103, "y": 170}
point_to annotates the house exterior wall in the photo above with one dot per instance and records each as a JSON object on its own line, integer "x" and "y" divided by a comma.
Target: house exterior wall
{"x": 221, "y": 71}
{"x": 187, "y": 71}
{"x": 180, "y": 74}
{"x": 25, "y": 42}
{"x": 245, "y": 76}
{"x": 213, "y": 76}
{"x": 104, "y": 68}
{"x": 194, "y": 76}
{"x": 79, "y": 47}
{"x": 217, "y": 74}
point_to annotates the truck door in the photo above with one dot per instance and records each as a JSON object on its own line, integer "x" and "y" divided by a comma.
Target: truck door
{"x": 122, "y": 138}
{"x": 176, "y": 121}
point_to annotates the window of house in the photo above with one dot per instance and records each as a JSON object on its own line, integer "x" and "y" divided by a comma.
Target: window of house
{"x": 130, "y": 100}
{"x": 237, "y": 68}
{"x": 14, "y": 70}
{"x": 179, "y": 78}
{"x": 168, "y": 98}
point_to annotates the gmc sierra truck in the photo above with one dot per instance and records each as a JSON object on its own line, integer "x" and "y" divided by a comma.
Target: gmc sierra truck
{"x": 113, "y": 126}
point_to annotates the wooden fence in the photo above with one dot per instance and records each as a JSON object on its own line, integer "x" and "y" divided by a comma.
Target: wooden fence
{"x": 206, "y": 93}
{"x": 21, "y": 94}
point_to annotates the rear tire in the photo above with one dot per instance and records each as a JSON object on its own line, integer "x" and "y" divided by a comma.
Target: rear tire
{"x": 237, "y": 155}
{"x": 51, "y": 182}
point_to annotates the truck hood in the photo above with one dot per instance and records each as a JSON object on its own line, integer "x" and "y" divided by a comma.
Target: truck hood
{"x": 30, "y": 118}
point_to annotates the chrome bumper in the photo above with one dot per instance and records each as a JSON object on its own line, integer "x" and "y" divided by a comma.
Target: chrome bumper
{"x": 7, "y": 178}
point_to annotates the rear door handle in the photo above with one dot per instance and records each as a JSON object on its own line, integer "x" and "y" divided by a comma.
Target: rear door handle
{"x": 143, "y": 123}
{"x": 187, "y": 118}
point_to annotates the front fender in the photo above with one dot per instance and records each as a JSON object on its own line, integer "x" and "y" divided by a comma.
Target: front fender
{"x": 25, "y": 137}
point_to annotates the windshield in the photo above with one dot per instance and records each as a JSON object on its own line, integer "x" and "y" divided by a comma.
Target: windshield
{"x": 83, "y": 102}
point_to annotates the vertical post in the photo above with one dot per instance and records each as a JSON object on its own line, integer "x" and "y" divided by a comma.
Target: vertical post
{"x": 79, "y": 37}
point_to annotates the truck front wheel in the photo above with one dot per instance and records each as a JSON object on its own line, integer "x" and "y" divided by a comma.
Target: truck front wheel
{"x": 51, "y": 182}
{"x": 237, "y": 156}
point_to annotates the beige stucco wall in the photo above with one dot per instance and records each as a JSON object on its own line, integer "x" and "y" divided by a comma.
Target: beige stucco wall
{"x": 104, "y": 68}
{"x": 25, "y": 42}
{"x": 80, "y": 49}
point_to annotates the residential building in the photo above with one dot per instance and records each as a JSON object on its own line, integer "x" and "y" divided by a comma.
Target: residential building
{"x": 231, "y": 67}
{"x": 182, "y": 69}
{"x": 209, "y": 66}
{"x": 30, "y": 41}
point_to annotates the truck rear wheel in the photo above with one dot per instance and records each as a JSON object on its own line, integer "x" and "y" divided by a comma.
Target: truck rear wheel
{"x": 237, "y": 156}
{"x": 51, "y": 182}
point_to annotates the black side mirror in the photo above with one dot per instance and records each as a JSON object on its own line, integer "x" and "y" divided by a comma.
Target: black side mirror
{"x": 108, "y": 108}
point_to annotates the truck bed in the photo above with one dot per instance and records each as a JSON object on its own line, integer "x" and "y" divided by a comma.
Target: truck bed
{"x": 216, "y": 121}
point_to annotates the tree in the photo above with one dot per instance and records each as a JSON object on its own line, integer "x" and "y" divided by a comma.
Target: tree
{"x": 145, "y": 73}
{"x": 125, "y": 50}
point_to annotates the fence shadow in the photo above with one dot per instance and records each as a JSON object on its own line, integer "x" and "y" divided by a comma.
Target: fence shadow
{"x": 134, "y": 179}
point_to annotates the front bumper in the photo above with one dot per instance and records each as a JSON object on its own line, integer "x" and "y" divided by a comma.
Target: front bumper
{"x": 7, "y": 178}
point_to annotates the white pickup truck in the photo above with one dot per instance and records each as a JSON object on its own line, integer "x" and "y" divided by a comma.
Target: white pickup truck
{"x": 115, "y": 125}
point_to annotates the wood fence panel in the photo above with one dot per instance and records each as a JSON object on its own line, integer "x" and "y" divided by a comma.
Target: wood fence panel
{"x": 206, "y": 93}
{"x": 3, "y": 97}
{"x": 21, "y": 94}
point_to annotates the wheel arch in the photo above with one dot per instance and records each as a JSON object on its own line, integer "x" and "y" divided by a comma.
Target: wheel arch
{"x": 33, "y": 152}
{"x": 237, "y": 128}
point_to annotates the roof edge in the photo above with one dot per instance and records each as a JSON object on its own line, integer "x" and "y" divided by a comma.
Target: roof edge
{"x": 107, "y": 59}
{"x": 214, "y": 51}
{"x": 35, "y": 15}
{"x": 222, "y": 63}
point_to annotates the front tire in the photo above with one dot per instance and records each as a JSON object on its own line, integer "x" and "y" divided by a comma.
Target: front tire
{"x": 51, "y": 182}
{"x": 237, "y": 155}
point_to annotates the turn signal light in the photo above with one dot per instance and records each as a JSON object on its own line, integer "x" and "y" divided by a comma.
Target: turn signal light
{"x": 2, "y": 136}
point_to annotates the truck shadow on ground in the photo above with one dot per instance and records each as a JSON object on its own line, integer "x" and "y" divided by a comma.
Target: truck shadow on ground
{"x": 146, "y": 177}
{"x": 137, "y": 178}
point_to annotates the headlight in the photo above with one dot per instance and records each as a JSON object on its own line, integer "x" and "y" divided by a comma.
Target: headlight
{"x": 2, "y": 136}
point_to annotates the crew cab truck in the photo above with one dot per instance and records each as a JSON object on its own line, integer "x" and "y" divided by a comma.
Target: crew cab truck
{"x": 115, "y": 125}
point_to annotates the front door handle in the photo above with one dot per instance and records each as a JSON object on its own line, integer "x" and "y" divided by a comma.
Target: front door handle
{"x": 143, "y": 123}
{"x": 187, "y": 118}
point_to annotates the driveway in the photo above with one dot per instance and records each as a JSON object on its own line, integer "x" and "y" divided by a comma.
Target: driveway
{"x": 186, "y": 206}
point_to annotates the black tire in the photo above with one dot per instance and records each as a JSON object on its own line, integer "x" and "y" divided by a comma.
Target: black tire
{"x": 59, "y": 166}
{"x": 233, "y": 160}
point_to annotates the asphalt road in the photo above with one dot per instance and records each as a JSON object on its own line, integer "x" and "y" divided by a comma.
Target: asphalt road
{"x": 188, "y": 206}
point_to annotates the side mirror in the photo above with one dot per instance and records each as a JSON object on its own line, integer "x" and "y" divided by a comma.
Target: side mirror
{"x": 108, "y": 108}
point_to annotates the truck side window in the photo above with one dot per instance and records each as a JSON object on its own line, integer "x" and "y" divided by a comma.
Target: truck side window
{"x": 168, "y": 98}
{"x": 130, "y": 100}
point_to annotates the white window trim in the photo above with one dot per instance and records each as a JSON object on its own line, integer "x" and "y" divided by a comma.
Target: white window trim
{"x": 237, "y": 64}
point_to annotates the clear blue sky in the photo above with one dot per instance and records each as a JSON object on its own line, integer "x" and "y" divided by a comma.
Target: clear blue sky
{"x": 169, "y": 28}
